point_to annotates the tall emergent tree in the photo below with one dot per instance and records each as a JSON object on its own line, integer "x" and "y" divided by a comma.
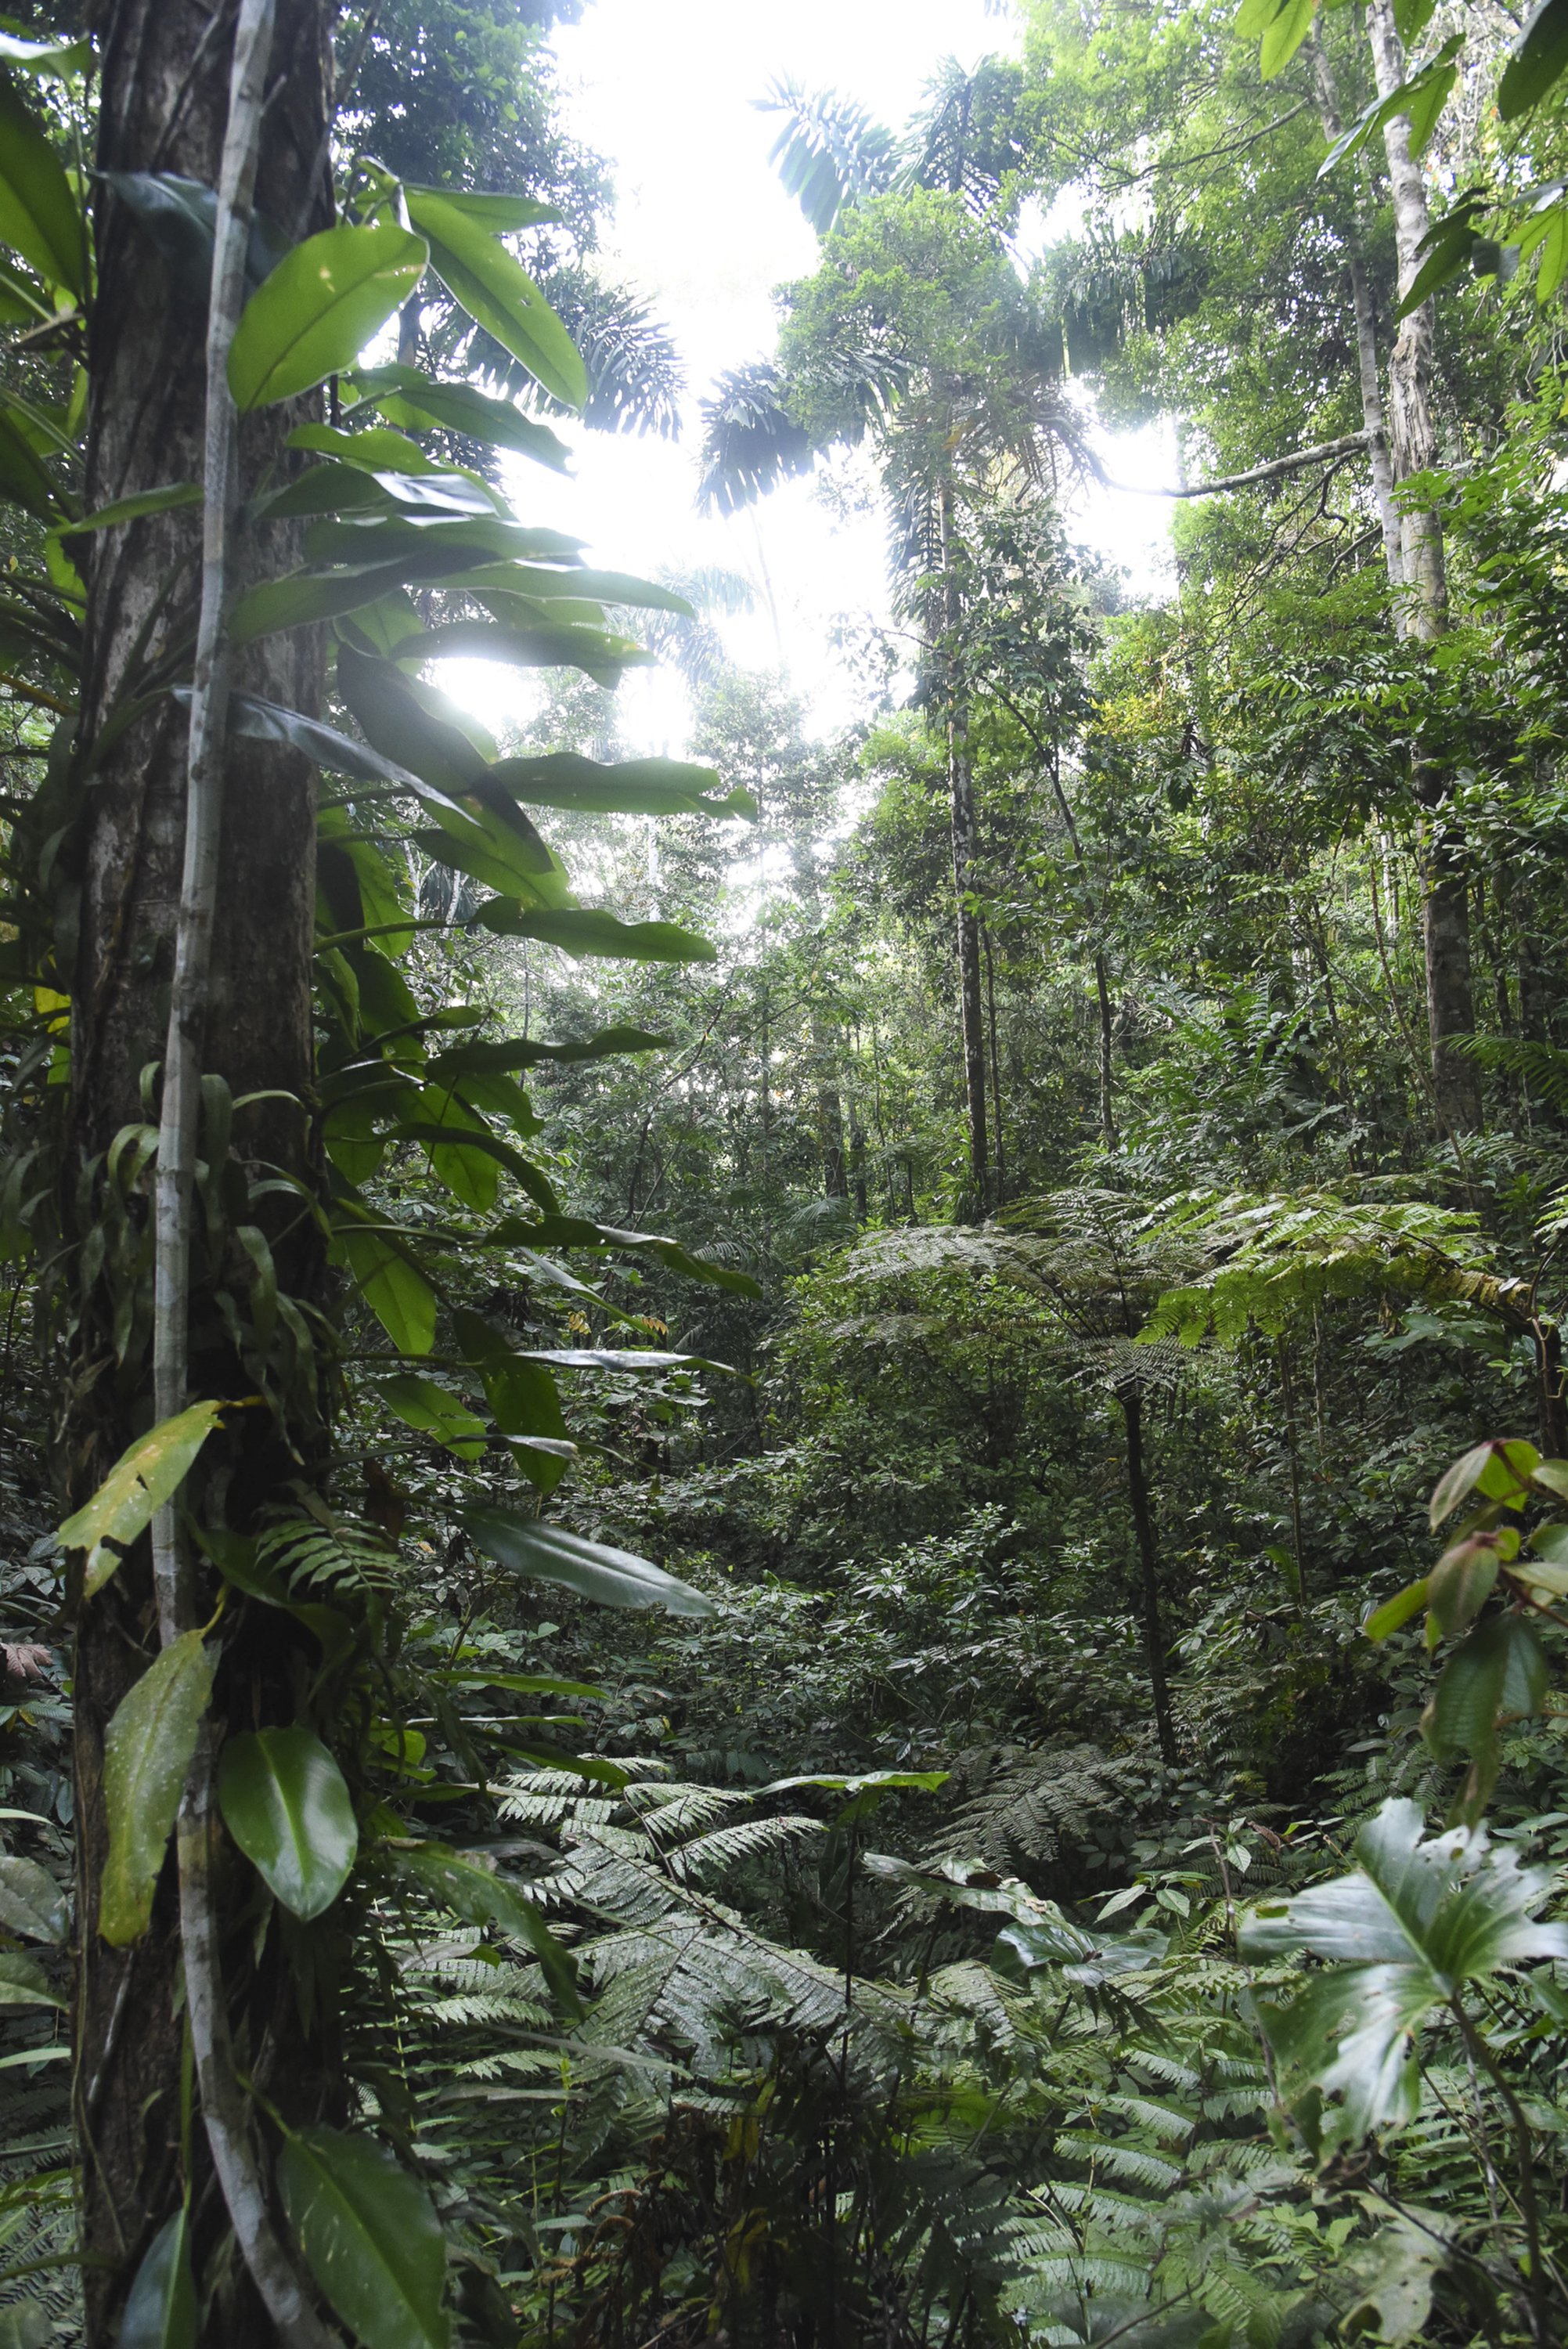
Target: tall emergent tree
{"x": 204, "y": 562}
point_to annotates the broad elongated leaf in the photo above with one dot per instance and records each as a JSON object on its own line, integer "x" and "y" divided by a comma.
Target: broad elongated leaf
{"x": 31, "y": 1902}
{"x": 480, "y": 1896}
{"x": 632, "y": 787}
{"x": 405, "y": 397}
{"x": 1539, "y": 56}
{"x": 371, "y": 2237}
{"x": 1416, "y": 1922}
{"x": 498, "y": 293}
{"x": 421, "y": 1403}
{"x": 39, "y": 216}
{"x": 522, "y": 1396}
{"x": 614, "y": 1578}
{"x": 287, "y": 1806}
{"x": 25, "y": 479}
{"x": 1285, "y": 37}
{"x": 160, "y": 2310}
{"x": 180, "y": 216}
{"x": 395, "y": 1290}
{"x": 146, "y": 1473}
{"x": 172, "y": 495}
{"x": 23, "y": 1983}
{"x": 1500, "y": 1674}
{"x": 147, "y": 1753}
{"x": 1396, "y": 1611}
{"x": 316, "y": 312}
{"x": 580, "y": 931}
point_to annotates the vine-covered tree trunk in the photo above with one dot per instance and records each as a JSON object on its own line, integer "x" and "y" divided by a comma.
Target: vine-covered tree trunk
{"x": 166, "y": 66}
{"x": 1423, "y": 610}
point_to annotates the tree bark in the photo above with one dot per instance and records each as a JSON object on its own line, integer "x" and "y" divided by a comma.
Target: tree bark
{"x": 966, "y": 842}
{"x": 1423, "y": 611}
{"x": 1364, "y": 311}
{"x": 1131, "y": 1403}
{"x": 164, "y": 98}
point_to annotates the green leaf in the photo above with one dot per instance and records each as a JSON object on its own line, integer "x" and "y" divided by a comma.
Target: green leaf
{"x": 39, "y": 216}
{"x": 407, "y": 398}
{"x": 522, "y": 1395}
{"x": 498, "y": 293}
{"x": 1538, "y": 59}
{"x": 544, "y": 643}
{"x": 45, "y": 56}
{"x": 395, "y": 1290}
{"x": 1471, "y": 1472}
{"x": 1411, "y": 19}
{"x": 1460, "y": 1583}
{"x": 23, "y": 1983}
{"x": 31, "y": 1902}
{"x": 25, "y": 479}
{"x": 147, "y": 1752}
{"x": 1396, "y": 1611}
{"x": 171, "y": 495}
{"x": 160, "y": 2309}
{"x": 287, "y": 1806}
{"x": 421, "y": 1403}
{"x": 500, "y": 215}
{"x": 146, "y": 1473}
{"x": 613, "y": 1577}
{"x": 580, "y": 932}
{"x": 1403, "y": 1933}
{"x": 314, "y": 316}
{"x": 1285, "y": 37}
{"x": 372, "y": 449}
{"x": 370, "y": 2236}
{"x": 480, "y": 1896}
{"x": 1499, "y": 1673}
{"x": 632, "y": 787}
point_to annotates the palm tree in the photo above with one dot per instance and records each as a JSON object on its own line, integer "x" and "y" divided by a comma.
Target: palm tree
{"x": 917, "y": 334}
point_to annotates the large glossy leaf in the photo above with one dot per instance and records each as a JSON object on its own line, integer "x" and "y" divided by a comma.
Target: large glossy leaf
{"x": 180, "y": 217}
{"x": 287, "y": 1806}
{"x": 160, "y": 2310}
{"x": 529, "y": 642}
{"x": 614, "y": 1578}
{"x": 395, "y": 1290}
{"x": 1500, "y": 1674}
{"x": 497, "y": 292}
{"x": 146, "y": 1473}
{"x": 632, "y": 787}
{"x": 31, "y": 1902}
{"x": 434, "y": 1410}
{"x": 39, "y": 216}
{"x": 371, "y": 2237}
{"x": 480, "y": 1896}
{"x": 1417, "y": 1921}
{"x": 582, "y": 932}
{"x": 147, "y": 1753}
{"x": 524, "y": 1400}
{"x": 405, "y": 397}
{"x": 25, "y": 479}
{"x": 1539, "y": 56}
{"x": 23, "y": 1983}
{"x": 314, "y": 316}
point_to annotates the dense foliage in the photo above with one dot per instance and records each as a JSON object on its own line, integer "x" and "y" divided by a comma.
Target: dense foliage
{"x": 873, "y": 1624}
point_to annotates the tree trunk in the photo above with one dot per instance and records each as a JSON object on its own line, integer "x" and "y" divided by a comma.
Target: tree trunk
{"x": 1106, "y": 1038}
{"x": 1364, "y": 311}
{"x": 995, "y": 1068}
{"x": 1423, "y": 610}
{"x": 1132, "y": 1403}
{"x": 961, "y": 781}
{"x": 165, "y": 83}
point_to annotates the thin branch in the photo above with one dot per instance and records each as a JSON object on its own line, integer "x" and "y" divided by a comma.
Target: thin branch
{"x": 1275, "y": 469}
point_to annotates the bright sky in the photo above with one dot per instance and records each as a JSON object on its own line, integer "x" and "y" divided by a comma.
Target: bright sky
{"x": 703, "y": 228}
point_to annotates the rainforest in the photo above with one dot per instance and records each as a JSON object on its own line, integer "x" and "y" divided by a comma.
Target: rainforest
{"x": 783, "y": 1202}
